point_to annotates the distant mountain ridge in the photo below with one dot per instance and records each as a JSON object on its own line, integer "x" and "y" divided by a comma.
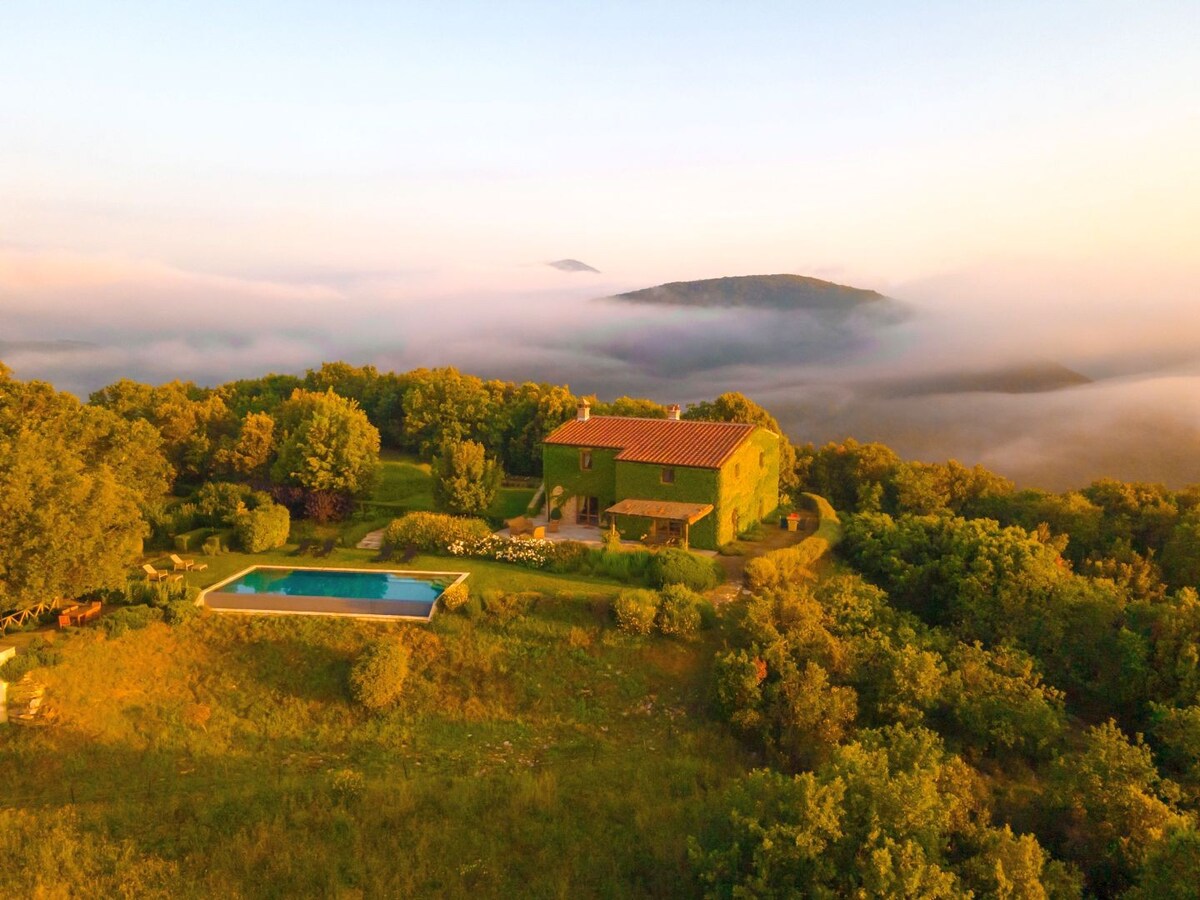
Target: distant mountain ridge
{"x": 572, "y": 265}
{"x": 780, "y": 292}
{"x": 1035, "y": 377}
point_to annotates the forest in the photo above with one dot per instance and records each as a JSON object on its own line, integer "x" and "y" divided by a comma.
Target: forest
{"x": 979, "y": 691}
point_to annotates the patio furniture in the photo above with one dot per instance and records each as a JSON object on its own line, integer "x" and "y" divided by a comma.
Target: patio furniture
{"x": 153, "y": 574}
{"x": 409, "y": 552}
{"x": 385, "y": 553}
{"x": 187, "y": 565}
{"x": 518, "y": 526}
{"x": 303, "y": 547}
{"x": 326, "y": 548}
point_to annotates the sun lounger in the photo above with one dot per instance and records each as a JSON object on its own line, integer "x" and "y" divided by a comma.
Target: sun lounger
{"x": 385, "y": 553}
{"x": 153, "y": 574}
{"x": 187, "y": 565}
{"x": 409, "y": 552}
{"x": 303, "y": 547}
{"x": 326, "y": 548}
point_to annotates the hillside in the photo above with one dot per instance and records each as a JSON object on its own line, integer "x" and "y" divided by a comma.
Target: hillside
{"x": 1016, "y": 378}
{"x": 781, "y": 292}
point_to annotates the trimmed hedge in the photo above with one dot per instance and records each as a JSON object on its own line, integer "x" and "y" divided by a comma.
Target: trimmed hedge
{"x": 778, "y": 568}
{"x": 434, "y": 532}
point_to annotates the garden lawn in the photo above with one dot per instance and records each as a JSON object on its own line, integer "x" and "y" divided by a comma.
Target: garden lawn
{"x": 541, "y": 754}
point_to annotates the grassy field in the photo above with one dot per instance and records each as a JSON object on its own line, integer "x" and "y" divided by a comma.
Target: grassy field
{"x": 540, "y": 755}
{"x": 405, "y": 485}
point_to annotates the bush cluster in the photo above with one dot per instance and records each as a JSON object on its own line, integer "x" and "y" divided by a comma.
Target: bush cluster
{"x": 636, "y": 610}
{"x": 378, "y": 675}
{"x": 671, "y": 566}
{"x": 131, "y": 618}
{"x": 434, "y": 531}
{"x": 534, "y": 554}
{"x": 675, "y": 611}
{"x": 263, "y": 528}
{"x": 455, "y": 597}
{"x": 678, "y": 611}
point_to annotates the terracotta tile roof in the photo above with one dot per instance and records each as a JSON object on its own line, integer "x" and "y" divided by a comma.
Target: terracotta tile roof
{"x": 667, "y": 442}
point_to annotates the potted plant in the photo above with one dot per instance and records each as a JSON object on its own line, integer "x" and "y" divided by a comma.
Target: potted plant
{"x": 555, "y": 518}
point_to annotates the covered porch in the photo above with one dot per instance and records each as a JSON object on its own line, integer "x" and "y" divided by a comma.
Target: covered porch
{"x": 670, "y": 521}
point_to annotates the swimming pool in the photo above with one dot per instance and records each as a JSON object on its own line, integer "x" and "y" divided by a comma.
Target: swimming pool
{"x": 362, "y": 593}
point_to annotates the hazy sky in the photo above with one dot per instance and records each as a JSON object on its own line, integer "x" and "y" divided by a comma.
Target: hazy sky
{"x": 218, "y": 190}
{"x": 871, "y": 142}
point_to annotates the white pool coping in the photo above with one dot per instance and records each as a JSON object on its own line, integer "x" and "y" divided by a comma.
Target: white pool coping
{"x": 459, "y": 578}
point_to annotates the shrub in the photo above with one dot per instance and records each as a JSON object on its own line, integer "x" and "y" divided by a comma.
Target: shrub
{"x": 184, "y": 518}
{"x": 219, "y": 502}
{"x": 567, "y": 556}
{"x": 327, "y": 506}
{"x": 378, "y": 675}
{"x": 434, "y": 531}
{"x": 455, "y": 597}
{"x": 679, "y": 611}
{"x": 130, "y": 618}
{"x": 179, "y": 611}
{"x": 347, "y": 785}
{"x": 629, "y": 566}
{"x": 529, "y": 552}
{"x": 635, "y": 610}
{"x": 263, "y": 528}
{"x": 40, "y": 652}
{"x": 672, "y": 566}
{"x": 506, "y": 606}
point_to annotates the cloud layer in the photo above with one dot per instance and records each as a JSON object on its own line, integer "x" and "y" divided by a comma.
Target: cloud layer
{"x": 82, "y": 321}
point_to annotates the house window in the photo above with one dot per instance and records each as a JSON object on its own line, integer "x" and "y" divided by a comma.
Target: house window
{"x": 668, "y": 475}
{"x": 585, "y": 459}
{"x": 737, "y": 470}
{"x": 762, "y": 459}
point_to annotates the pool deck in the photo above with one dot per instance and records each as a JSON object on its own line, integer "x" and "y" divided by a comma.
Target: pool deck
{"x": 346, "y": 607}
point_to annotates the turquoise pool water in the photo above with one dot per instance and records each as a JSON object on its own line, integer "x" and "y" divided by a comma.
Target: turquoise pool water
{"x": 329, "y": 591}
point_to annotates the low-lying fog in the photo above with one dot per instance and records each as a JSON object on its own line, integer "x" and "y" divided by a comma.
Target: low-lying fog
{"x": 934, "y": 376}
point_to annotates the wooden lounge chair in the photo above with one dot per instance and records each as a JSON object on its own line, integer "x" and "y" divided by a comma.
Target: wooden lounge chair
{"x": 303, "y": 547}
{"x": 187, "y": 565}
{"x": 153, "y": 574}
{"x": 409, "y": 552}
{"x": 326, "y": 548}
{"x": 385, "y": 553}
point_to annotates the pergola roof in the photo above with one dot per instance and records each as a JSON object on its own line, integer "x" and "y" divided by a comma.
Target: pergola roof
{"x": 662, "y": 509}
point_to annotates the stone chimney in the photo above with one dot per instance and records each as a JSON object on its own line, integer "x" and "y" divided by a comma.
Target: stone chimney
{"x": 585, "y": 411}
{"x": 673, "y": 412}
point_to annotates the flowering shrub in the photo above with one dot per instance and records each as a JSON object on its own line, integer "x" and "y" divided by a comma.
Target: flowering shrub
{"x": 534, "y": 554}
{"x": 455, "y": 597}
{"x": 679, "y": 614}
{"x": 635, "y": 610}
{"x": 434, "y": 531}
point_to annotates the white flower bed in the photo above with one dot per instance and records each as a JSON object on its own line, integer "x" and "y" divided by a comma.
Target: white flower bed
{"x": 534, "y": 553}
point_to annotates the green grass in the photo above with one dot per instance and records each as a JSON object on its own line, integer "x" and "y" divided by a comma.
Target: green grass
{"x": 510, "y": 502}
{"x": 404, "y": 482}
{"x": 542, "y": 756}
